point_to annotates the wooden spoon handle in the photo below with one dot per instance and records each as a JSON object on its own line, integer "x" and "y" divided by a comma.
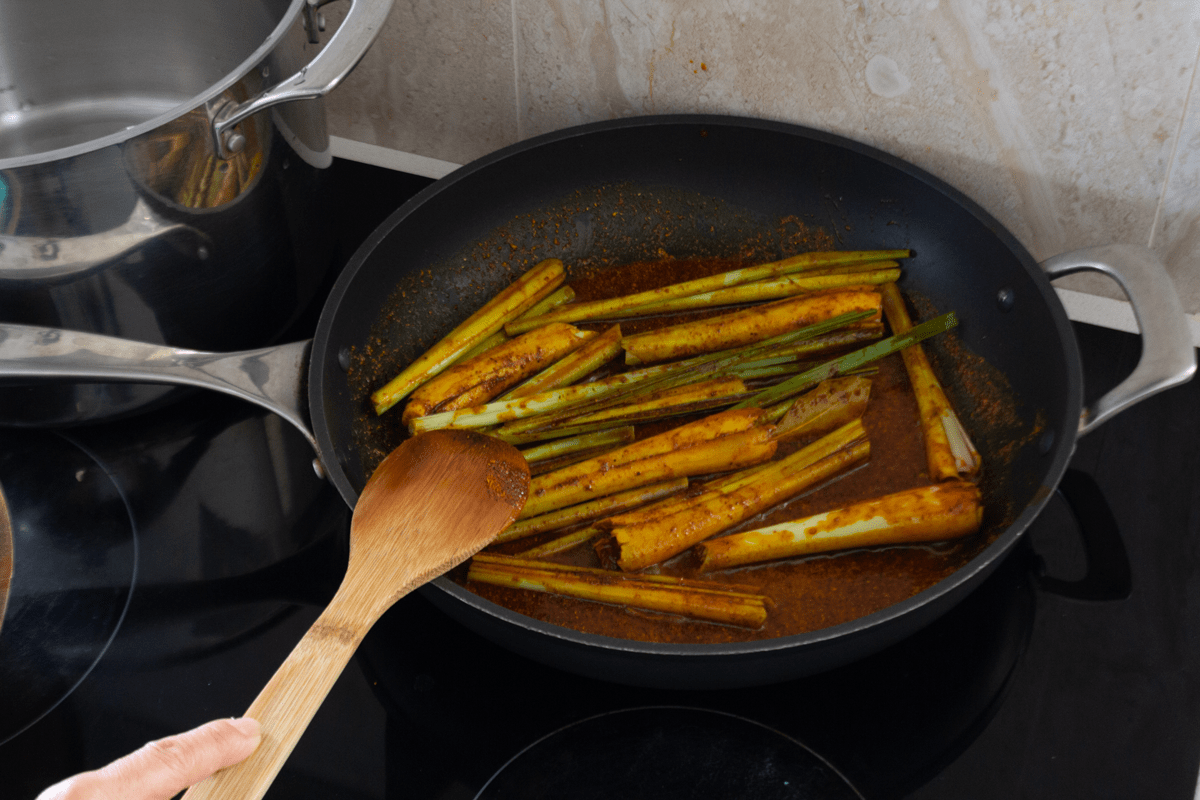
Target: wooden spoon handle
{"x": 286, "y": 705}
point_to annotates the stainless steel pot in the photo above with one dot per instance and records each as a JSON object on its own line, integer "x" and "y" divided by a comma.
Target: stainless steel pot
{"x": 158, "y": 180}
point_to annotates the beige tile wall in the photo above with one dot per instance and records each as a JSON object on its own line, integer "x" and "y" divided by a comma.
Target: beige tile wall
{"x": 1069, "y": 121}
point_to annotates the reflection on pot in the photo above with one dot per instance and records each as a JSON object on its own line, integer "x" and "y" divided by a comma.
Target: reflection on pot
{"x": 177, "y": 162}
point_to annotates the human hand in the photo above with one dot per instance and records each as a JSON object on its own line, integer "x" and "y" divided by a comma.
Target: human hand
{"x": 163, "y": 768}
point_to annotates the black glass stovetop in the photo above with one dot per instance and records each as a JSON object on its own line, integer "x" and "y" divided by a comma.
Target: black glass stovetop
{"x": 1071, "y": 672}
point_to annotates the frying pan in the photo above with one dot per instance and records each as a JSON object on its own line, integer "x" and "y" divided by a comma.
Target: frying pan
{"x": 682, "y": 185}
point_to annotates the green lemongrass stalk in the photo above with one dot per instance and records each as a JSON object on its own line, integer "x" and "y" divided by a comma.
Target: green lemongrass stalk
{"x": 561, "y": 297}
{"x": 499, "y": 337}
{"x": 573, "y": 366}
{"x": 562, "y": 447}
{"x": 577, "y": 312}
{"x": 686, "y": 399}
{"x": 527, "y": 290}
{"x": 505, "y": 410}
{"x": 759, "y": 291}
{"x": 858, "y": 358}
{"x": 593, "y": 509}
{"x": 561, "y": 544}
{"x": 522, "y": 438}
{"x": 565, "y": 294}
{"x": 677, "y": 374}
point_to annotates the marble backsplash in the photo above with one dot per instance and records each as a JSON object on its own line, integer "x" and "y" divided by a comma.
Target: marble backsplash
{"x": 1074, "y": 123}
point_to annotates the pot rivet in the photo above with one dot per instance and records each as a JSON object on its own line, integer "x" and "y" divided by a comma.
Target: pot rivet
{"x": 1005, "y": 298}
{"x": 317, "y": 468}
{"x": 1046, "y": 443}
{"x": 202, "y": 253}
{"x": 344, "y": 359}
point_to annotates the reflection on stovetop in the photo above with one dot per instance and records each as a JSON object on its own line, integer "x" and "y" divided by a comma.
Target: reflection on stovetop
{"x": 1070, "y": 672}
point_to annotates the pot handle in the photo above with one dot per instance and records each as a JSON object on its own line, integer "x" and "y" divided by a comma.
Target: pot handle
{"x": 1168, "y": 357}
{"x": 47, "y": 258}
{"x": 333, "y": 63}
{"x": 272, "y": 377}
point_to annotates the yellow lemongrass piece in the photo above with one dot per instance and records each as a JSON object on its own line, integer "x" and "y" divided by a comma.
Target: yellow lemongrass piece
{"x": 833, "y": 403}
{"x": 698, "y": 432}
{"x": 761, "y": 291}
{"x": 584, "y": 512}
{"x": 478, "y": 380}
{"x": 652, "y": 542}
{"x": 774, "y": 470}
{"x": 930, "y": 513}
{"x": 691, "y": 599}
{"x": 570, "y": 368}
{"x": 561, "y": 544}
{"x": 577, "y": 312}
{"x": 745, "y": 327}
{"x": 945, "y": 459}
{"x": 729, "y": 452}
{"x": 517, "y": 298}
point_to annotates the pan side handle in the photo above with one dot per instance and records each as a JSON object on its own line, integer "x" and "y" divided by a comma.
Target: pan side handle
{"x": 1168, "y": 358}
{"x": 272, "y": 377}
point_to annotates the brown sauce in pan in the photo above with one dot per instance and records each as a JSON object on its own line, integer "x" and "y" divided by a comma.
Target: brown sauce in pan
{"x": 807, "y": 594}
{"x": 810, "y": 593}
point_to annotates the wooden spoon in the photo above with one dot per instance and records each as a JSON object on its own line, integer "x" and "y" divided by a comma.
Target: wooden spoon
{"x": 434, "y": 502}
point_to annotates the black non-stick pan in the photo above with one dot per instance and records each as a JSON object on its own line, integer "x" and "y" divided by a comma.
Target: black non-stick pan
{"x": 681, "y": 186}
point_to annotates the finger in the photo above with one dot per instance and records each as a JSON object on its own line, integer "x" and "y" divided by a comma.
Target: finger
{"x": 163, "y": 768}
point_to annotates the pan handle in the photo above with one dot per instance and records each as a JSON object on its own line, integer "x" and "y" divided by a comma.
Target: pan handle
{"x": 272, "y": 377}
{"x": 1168, "y": 358}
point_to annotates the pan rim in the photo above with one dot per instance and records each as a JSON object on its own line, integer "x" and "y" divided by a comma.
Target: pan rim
{"x": 945, "y": 593}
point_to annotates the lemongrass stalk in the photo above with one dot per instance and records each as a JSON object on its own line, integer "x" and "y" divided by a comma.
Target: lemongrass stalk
{"x": 564, "y": 294}
{"x": 833, "y": 403}
{"x": 574, "y": 444}
{"x": 570, "y": 368}
{"x": 678, "y": 400}
{"x": 930, "y": 513}
{"x": 948, "y": 450}
{"x": 560, "y": 544}
{"x": 577, "y": 312}
{"x": 749, "y": 326}
{"x": 518, "y": 297}
{"x": 548, "y": 435}
{"x": 521, "y": 407}
{"x": 827, "y": 445}
{"x": 497, "y": 338}
{"x": 473, "y": 382}
{"x": 761, "y": 291}
{"x": 656, "y": 378}
{"x": 685, "y": 436}
{"x": 559, "y": 297}
{"x": 722, "y": 454}
{"x": 585, "y": 512}
{"x": 858, "y": 358}
{"x": 650, "y": 543}
{"x": 693, "y": 599}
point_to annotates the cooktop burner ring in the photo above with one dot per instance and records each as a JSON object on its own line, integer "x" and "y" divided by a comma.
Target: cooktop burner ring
{"x": 667, "y": 751}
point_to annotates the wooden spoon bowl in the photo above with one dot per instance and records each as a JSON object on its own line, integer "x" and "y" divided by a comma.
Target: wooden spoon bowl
{"x": 434, "y": 502}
